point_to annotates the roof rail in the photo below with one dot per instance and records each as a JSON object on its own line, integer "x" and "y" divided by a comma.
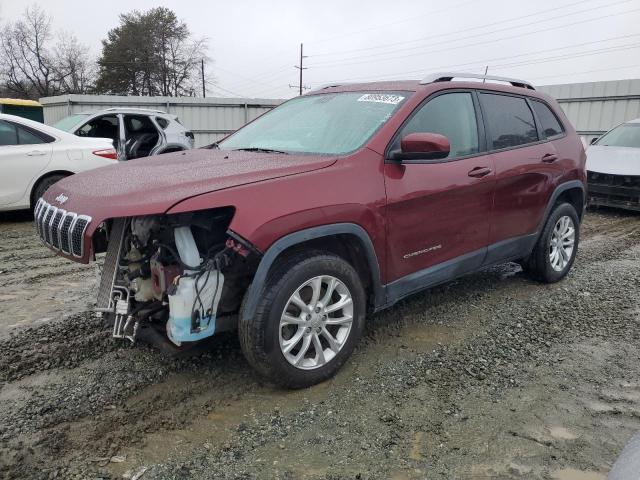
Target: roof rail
{"x": 449, "y": 76}
{"x": 135, "y": 109}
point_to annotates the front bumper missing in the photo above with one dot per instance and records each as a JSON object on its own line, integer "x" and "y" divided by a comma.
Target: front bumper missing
{"x": 618, "y": 191}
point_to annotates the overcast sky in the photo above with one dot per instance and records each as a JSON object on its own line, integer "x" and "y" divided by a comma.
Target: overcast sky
{"x": 254, "y": 44}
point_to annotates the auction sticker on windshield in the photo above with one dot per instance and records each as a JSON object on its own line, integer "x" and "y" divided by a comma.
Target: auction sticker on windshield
{"x": 381, "y": 98}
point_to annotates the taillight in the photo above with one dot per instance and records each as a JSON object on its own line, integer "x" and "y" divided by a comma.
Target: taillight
{"x": 189, "y": 134}
{"x": 107, "y": 153}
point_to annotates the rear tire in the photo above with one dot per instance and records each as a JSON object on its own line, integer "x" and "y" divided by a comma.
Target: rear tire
{"x": 555, "y": 250}
{"x": 298, "y": 336}
{"x": 42, "y": 186}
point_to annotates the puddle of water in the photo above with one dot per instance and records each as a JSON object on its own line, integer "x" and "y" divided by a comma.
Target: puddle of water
{"x": 574, "y": 474}
{"x": 561, "y": 433}
{"x": 420, "y": 336}
{"x": 414, "y": 453}
{"x": 219, "y": 426}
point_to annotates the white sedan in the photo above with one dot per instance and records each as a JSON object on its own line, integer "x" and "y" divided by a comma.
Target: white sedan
{"x": 613, "y": 167}
{"x": 34, "y": 156}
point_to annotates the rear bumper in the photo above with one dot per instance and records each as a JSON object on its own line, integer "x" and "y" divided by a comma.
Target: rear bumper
{"x": 619, "y": 191}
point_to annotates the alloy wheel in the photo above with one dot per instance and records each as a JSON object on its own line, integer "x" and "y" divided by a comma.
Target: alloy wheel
{"x": 316, "y": 322}
{"x": 562, "y": 243}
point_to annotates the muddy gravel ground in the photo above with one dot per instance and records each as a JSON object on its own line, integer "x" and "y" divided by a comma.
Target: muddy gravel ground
{"x": 491, "y": 376}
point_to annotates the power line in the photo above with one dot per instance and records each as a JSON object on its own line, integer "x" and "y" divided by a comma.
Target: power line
{"x": 456, "y": 47}
{"x": 254, "y": 80}
{"x": 214, "y": 85}
{"x": 404, "y": 20}
{"x": 491, "y": 60}
{"x": 282, "y": 70}
{"x": 387, "y": 45}
{"x": 586, "y": 71}
{"x": 569, "y": 56}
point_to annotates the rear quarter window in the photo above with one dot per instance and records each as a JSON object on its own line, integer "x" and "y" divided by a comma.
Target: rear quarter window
{"x": 509, "y": 121}
{"x": 163, "y": 122}
{"x": 549, "y": 123}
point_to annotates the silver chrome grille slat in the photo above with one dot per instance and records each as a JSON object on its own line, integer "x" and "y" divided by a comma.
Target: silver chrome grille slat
{"x": 55, "y": 228}
{"x": 45, "y": 224}
{"x": 61, "y": 230}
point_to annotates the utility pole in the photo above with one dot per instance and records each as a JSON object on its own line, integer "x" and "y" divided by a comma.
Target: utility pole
{"x": 204, "y": 89}
{"x": 301, "y": 68}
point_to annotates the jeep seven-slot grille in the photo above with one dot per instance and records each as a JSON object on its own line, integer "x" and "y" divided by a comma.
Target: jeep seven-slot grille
{"x": 61, "y": 230}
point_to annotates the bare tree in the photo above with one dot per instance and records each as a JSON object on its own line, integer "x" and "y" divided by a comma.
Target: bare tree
{"x": 73, "y": 65}
{"x": 32, "y": 67}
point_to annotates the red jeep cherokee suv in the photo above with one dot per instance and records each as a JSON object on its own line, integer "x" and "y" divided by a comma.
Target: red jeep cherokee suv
{"x": 333, "y": 205}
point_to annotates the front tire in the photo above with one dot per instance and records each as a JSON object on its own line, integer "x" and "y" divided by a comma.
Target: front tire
{"x": 556, "y": 249}
{"x": 308, "y": 321}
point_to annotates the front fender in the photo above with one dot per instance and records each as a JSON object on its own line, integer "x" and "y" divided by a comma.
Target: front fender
{"x": 255, "y": 290}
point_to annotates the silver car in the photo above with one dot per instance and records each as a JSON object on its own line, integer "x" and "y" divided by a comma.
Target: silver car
{"x": 135, "y": 132}
{"x": 613, "y": 167}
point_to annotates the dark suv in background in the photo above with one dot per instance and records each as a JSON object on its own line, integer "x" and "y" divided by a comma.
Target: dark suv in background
{"x": 333, "y": 205}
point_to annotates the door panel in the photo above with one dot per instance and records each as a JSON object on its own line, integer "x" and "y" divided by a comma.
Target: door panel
{"x": 19, "y": 164}
{"x": 439, "y": 210}
{"x": 436, "y": 212}
{"x": 525, "y": 169}
{"x": 524, "y": 183}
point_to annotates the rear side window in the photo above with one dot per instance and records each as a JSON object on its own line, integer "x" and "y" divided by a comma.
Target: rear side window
{"x": 8, "y": 134}
{"x": 12, "y": 134}
{"x": 509, "y": 121}
{"x": 549, "y": 123}
{"x": 28, "y": 137}
{"x": 451, "y": 115}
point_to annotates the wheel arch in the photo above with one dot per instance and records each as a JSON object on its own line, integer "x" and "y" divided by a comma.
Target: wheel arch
{"x": 572, "y": 192}
{"x": 43, "y": 177}
{"x": 575, "y": 196}
{"x": 348, "y": 240}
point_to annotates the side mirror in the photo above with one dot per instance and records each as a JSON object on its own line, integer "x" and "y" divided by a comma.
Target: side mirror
{"x": 416, "y": 147}
{"x": 593, "y": 140}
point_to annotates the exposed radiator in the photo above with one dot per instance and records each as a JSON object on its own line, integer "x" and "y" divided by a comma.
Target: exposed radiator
{"x": 110, "y": 268}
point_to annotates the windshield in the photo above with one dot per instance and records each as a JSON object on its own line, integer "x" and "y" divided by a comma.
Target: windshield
{"x": 332, "y": 123}
{"x": 625, "y": 135}
{"x": 69, "y": 122}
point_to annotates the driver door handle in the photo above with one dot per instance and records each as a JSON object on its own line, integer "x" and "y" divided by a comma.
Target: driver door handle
{"x": 36, "y": 153}
{"x": 549, "y": 158}
{"x": 479, "y": 172}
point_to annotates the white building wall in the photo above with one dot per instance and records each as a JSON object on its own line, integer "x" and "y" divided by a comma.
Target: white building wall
{"x": 596, "y": 107}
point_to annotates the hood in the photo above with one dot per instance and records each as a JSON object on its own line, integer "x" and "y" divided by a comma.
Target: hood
{"x": 613, "y": 160}
{"x": 153, "y": 185}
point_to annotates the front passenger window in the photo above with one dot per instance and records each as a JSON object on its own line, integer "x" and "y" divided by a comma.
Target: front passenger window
{"x": 451, "y": 115}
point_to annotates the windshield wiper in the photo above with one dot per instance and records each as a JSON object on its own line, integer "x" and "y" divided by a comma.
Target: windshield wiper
{"x": 260, "y": 149}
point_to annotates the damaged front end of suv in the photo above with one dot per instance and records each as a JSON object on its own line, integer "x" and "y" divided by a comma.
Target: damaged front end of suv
{"x": 182, "y": 275}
